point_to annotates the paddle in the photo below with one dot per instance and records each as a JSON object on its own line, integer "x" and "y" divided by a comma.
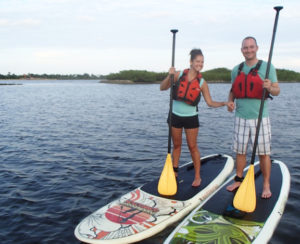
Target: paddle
{"x": 245, "y": 197}
{"x": 167, "y": 184}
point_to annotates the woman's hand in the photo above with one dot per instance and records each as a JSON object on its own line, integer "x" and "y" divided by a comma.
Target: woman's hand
{"x": 166, "y": 83}
{"x": 172, "y": 71}
{"x": 230, "y": 106}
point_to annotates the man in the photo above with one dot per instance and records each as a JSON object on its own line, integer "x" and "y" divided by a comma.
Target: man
{"x": 248, "y": 81}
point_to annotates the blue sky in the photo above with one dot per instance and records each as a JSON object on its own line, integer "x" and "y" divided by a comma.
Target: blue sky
{"x": 105, "y": 36}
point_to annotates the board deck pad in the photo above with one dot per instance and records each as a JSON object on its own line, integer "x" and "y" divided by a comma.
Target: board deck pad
{"x": 217, "y": 221}
{"x": 210, "y": 168}
{"x": 142, "y": 212}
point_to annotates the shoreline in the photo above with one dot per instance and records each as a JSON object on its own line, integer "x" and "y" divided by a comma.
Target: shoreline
{"x": 127, "y": 82}
{"x": 10, "y": 84}
{"x": 4, "y": 82}
{"x": 130, "y": 82}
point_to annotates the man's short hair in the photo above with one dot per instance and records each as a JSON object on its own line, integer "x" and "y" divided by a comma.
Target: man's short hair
{"x": 249, "y": 37}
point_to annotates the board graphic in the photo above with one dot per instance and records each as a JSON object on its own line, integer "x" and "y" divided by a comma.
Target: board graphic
{"x": 131, "y": 214}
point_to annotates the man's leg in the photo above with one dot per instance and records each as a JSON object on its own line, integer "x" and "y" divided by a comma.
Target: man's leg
{"x": 265, "y": 166}
{"x": 240, "y": 165}
{"x": 264, "y": 151}
{"x": 240, "y": 142}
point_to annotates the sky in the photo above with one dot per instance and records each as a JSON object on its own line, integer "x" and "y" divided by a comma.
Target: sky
{"x": 106, "y": 36}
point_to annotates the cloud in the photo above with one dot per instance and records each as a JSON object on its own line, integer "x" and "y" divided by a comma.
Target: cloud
{"x": 27, "y": 22}
{"x": 50, "y": 55}
{"x": 156, "y": 14}
{"x": 86, "y": 18}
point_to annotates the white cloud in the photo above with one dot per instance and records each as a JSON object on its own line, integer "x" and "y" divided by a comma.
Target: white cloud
{"x": 86, "y": 18}
{"x": 27, "y": 22}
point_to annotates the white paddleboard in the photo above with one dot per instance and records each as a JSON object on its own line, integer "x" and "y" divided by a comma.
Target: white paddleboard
{"x": 142, "y": 212}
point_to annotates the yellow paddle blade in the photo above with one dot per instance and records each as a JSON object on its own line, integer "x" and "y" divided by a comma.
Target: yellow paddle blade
{"x": 245, "y": 197}
{"x": 167, "y": 184}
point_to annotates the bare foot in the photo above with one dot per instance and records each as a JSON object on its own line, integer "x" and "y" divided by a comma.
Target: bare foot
{"x": 196, "y": 182}
{"x": 266, "y": 192}
{"x": 233, "y": 186}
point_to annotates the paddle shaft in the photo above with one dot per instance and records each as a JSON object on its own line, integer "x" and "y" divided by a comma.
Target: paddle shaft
{"x": 171, "y": 91}
{"x": 278, "y": 8}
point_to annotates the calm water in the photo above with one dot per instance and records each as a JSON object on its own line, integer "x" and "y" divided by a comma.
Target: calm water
{"x": 70, "y": 147}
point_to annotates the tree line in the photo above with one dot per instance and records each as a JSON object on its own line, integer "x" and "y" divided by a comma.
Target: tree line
{"x": 143, "y": 76}
{"x": 214, "y": 75}
{"x": 84, "y": 76}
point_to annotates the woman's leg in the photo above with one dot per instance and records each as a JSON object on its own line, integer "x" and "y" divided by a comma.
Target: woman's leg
{"x": 191, "y": 137}
{"x": 177, "y": 141}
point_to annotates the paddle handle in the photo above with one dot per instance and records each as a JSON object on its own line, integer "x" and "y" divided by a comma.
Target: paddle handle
{"x": 277, "y": 8}
{"x": 174, "y": 31}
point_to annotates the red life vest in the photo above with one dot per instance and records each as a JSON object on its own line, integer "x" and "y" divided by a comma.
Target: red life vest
{"x": 187, "y": 91}
{"x": 248, "y": 86}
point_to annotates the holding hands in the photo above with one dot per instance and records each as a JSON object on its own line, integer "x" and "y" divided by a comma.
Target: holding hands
{"x": 230, "y": 106}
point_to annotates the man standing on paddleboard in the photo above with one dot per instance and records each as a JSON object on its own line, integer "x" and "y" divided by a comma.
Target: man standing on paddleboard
{"x": 248, "y": 81}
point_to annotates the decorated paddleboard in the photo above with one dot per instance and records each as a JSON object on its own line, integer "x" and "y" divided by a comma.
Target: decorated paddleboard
{"x": 217, "y": 221}
{"x": 142, "y": 212}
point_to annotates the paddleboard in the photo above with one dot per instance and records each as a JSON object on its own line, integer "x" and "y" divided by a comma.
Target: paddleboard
{"x": 142, "y": 212}
{"x": 217, "y": 221}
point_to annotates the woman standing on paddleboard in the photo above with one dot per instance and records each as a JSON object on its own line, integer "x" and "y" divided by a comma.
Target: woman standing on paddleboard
{"x": 188, "y": 87}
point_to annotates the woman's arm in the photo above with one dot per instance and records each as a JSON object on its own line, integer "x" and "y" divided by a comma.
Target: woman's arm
{"x": 208, "y": 99}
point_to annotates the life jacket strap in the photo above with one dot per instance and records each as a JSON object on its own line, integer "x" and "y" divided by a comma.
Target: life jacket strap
{"x": 253, "y": 70}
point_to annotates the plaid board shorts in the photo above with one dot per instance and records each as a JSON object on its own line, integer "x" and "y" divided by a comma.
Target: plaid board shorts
{"x": 245, "y": 129}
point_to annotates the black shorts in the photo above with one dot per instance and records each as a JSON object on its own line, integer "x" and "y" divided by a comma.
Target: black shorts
{"x": 191, "y": 122}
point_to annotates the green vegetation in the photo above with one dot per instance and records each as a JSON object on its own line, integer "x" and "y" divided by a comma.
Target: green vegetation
{"x": 85, "y": 76}
{"x": 288, "y": 75}
{"x": 212, "y": 76}
{"x": 217, "y": 75}
{"x": 143, "y": 76}
{"x": 137, "y": 76}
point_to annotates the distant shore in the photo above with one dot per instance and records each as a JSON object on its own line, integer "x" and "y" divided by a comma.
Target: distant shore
{"x": 10, "y": 84}
{"x": 6, "y": 82}
{"x": 129, "y": 82}
{"x": 218, "y": 75}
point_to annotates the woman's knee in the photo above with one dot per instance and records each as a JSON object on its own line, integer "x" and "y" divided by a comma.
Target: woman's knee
{"x": 177, "y": 145}
{"x": 193, "y": 148}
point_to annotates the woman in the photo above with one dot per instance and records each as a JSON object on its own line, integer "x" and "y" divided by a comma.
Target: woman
{"x": 189, "y": 85}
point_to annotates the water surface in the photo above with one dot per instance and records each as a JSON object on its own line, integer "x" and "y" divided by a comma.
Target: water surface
{"x": 69, "y": 147}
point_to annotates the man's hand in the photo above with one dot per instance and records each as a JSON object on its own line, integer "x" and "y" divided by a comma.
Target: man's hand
{"x": 267, "y": 84}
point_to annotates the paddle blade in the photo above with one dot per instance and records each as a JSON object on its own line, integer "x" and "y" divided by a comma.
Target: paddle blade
{"x": 245, "y": 197}
{"x": 167, "y": 184}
